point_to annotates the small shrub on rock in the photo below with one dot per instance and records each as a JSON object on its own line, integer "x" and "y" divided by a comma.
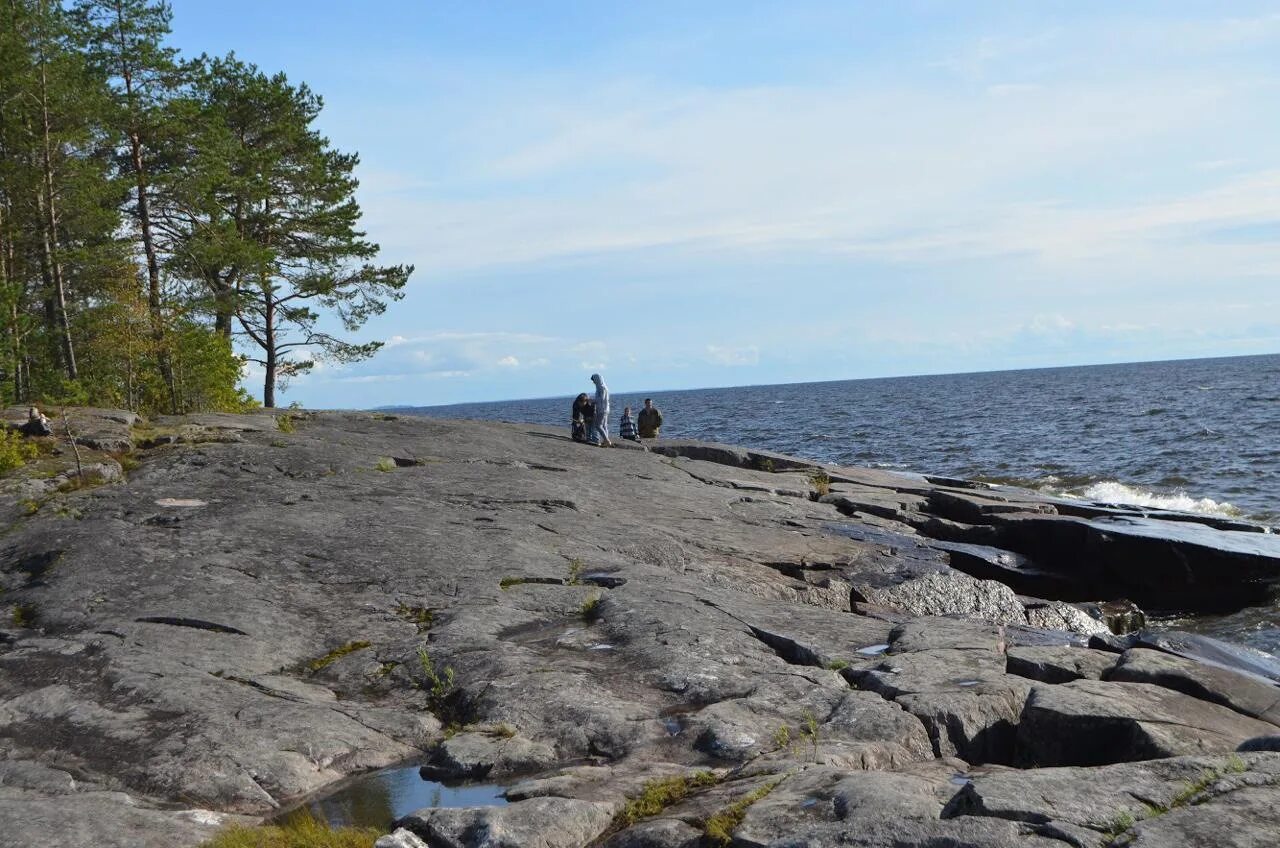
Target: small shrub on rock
{"x": 821, "y": 482}
{"x": 15, "y": 451}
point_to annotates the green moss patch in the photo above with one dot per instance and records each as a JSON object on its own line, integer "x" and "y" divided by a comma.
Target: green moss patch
{"x": 657, "y": 795}
{"x": 720, "y": 827}
{"x": 336, "y": 654}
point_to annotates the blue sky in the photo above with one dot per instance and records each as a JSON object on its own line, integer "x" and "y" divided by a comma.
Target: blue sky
{"x": 707, "y": 194}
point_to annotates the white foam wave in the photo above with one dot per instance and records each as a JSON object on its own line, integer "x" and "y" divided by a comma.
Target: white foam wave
{"x": 1110, "y": 491}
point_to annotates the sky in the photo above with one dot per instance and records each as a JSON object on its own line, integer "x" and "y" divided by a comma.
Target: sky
{"x": 681, "y": 195}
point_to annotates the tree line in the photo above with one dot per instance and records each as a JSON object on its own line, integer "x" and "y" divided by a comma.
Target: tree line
{"x": 164, "y": 221}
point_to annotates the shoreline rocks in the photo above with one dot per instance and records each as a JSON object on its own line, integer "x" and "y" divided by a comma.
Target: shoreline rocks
{"x": 253, "y": 613}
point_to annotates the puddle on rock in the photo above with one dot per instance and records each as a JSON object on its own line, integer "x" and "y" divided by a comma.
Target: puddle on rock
{"x": 873, "y": 650}
{"x": 379, "y": 798}
{"x": 960, "y": 779}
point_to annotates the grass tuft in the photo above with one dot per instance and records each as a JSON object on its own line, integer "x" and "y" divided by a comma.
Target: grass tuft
{"x": 720, "y": 827}
{"x": 782, "y": 737}
{"x": 809, "y": 732}
{"x": 336, "y": 654}
{"x": 591, "y": 607}
{"x": 837, "y": 665}
{"x": 422, "y": 617}
{"x": 821, "y": 482}
{"x": 286, "y": 423}
{"x": 657, "y": 795}
{"x": 25, "y": 615}
{"x": 439, "y": 684}
{"x": 1122, "y": 822}
{"x": 575, "y": 572}
{"x": 299, "y": 832}
{"x": 385, "y": 464}
{"x": 507, "y": 582}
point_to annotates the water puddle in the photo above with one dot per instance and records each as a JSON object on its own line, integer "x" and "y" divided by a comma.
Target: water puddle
{"x": 968, "y": 683}
{"x": 379, "y": 798}
{"x": 960, "y": 779}
{"x": 873, "y": 650}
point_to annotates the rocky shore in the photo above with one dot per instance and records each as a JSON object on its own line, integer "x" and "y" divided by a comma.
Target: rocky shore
{"x": 664, "y": 647}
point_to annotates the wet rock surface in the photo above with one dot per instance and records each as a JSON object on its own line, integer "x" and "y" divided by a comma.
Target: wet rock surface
{"x": 264, "y": 604}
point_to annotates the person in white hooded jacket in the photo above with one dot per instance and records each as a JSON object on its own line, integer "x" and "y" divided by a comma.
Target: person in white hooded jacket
{"x": 599, "y": 434}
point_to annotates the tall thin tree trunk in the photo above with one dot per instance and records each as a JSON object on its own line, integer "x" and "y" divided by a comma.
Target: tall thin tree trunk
{"x": 8, "y": 287}
{"x": 58, "y": 292}
{"x": 154, "y": 300}
{"x": 269, "y": 335}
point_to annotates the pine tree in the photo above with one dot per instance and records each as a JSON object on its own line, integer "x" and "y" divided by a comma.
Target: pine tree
{"x": 125, "y": 39}
{"x": 274, "y": 237}
{"x": 58, "y": 205}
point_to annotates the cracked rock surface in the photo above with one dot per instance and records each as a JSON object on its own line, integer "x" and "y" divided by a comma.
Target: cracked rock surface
{"x": 259, "y": 611}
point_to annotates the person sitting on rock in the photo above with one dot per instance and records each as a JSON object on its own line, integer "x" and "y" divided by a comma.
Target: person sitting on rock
{"x": 650, "y": 420}
{"x": 583, "y": 412}
{"x": 627, "y": 429}
{"x": 37, "y": 424}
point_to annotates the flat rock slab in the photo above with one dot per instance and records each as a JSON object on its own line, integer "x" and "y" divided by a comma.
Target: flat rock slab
{"x": 1099, "y": 799}
{"x": 1253, "y": 696}
{"x": 1059, "y": 664}
{"x": 536, "y": 823}
{"x": 1091, "y": 722}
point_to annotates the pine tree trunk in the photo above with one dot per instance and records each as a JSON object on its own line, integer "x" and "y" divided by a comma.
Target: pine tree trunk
{"x": 58, "y": 292}
{"x": 7, "y": 279}
{"x": 154, "y": 300}
{"x": 269, "y": 335}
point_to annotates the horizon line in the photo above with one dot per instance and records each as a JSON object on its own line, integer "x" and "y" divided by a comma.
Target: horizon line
{"x": 820, "y": 382}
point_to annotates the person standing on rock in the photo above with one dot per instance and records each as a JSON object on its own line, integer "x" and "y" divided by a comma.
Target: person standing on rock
{"x": 600, "y": 422}
{"x": 650, "y": 420}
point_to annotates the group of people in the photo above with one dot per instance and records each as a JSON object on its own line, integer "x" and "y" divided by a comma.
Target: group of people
{"x": 590, "y": 418}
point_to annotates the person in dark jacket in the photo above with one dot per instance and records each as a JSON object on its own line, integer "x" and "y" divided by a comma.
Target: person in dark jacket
{"x": 650, "y": 420}
{"x": 583, "y": 413}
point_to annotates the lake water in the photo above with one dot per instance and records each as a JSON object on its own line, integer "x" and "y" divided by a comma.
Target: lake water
{"x": 1200, "y": 435}
{"x": 378, "y": 798}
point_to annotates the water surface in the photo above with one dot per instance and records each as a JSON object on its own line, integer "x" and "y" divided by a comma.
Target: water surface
{"x": 378, "y": 798}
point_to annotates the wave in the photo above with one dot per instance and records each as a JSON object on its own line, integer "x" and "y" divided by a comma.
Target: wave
{"x": 1083, "y": 487}
{"x": 1110, "y": 491}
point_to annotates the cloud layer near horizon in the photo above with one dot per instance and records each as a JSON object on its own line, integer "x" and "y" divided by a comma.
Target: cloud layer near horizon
{"x": 780, "y": 195}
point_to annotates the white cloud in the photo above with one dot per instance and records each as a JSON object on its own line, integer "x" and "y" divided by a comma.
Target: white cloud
{"x": 509, "y": 362}
{"x": 728, "y": 355}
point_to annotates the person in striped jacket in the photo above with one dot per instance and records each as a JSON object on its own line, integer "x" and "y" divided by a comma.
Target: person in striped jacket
{"x": 627, "y": 429}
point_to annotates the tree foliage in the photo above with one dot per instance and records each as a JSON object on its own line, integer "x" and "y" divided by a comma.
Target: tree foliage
{"x": 163, "y": 222}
